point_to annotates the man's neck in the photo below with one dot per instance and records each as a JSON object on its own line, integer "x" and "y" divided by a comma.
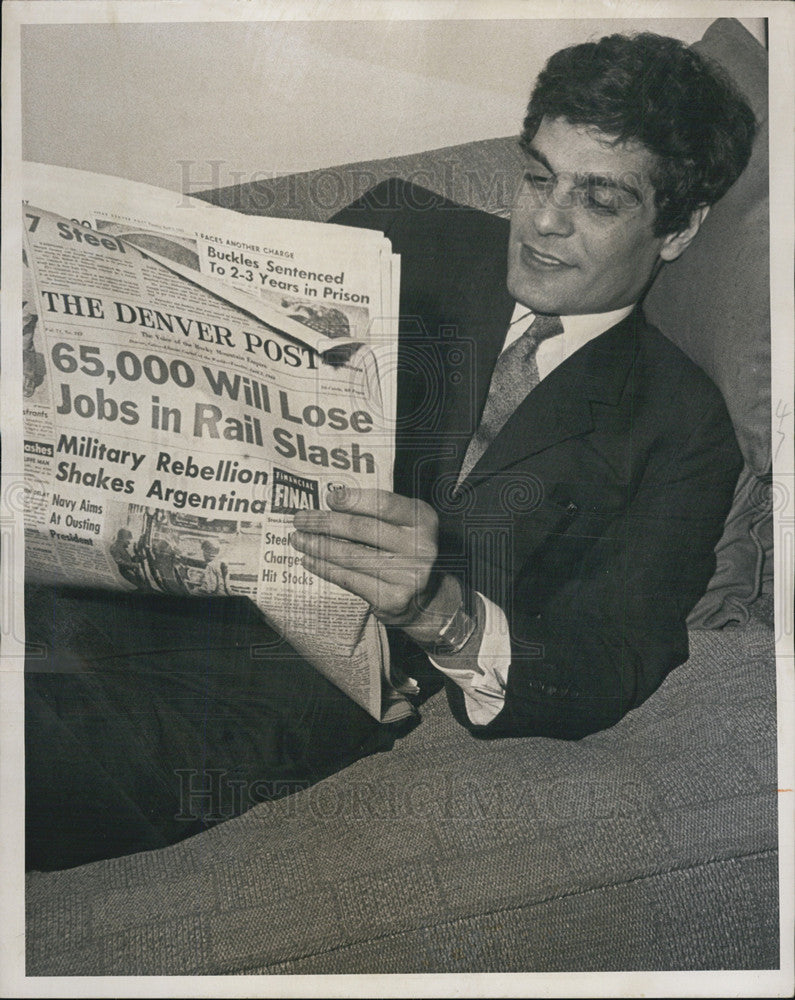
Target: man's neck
{"x": 577, "y": 331}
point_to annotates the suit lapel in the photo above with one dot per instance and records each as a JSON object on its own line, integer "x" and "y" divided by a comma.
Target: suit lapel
{"x": 560, "y": 407}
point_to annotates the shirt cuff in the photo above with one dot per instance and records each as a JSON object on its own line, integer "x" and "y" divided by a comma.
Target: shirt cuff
{"x": 484, "y": 693}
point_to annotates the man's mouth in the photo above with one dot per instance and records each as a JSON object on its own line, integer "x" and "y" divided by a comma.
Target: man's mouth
{"x": 534, "y": 258}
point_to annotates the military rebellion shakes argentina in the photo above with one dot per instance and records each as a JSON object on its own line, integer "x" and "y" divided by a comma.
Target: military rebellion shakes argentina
{"x": 292, "y": 436}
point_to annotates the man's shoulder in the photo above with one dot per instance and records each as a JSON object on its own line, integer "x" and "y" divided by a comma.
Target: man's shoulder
{"x": 673, "y": 384}
{"x": 661, "y": 354}
{"x": 636, "y": 363}
{"x": 452, "y": 258}
{"x": 417, "y": 219}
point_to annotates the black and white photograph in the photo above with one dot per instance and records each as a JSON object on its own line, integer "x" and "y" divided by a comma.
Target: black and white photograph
{"x": 398, "y": 514}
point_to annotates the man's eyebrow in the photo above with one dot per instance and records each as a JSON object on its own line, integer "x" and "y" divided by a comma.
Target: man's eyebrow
{"x": 598, "y": 180}
{"x": 618, "y": 184}
{"x": 536, "y": 155}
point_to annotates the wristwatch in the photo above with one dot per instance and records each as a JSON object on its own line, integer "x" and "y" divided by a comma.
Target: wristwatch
{"x": 458, "y": 630}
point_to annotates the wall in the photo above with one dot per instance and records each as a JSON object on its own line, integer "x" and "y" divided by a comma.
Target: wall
{"x": 135, "y": 100}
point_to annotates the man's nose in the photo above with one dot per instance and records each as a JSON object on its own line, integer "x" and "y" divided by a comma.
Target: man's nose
{"x": 553, "y": 213}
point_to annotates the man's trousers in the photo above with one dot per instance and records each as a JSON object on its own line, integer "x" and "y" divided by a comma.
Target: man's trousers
{"x": 149, "y": 718}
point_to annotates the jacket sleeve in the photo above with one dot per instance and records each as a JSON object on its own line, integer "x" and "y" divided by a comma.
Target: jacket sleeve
{"x": 605, "y": 638}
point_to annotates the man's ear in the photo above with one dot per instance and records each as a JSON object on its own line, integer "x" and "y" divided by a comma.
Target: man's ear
{"x": 675, "y": 244}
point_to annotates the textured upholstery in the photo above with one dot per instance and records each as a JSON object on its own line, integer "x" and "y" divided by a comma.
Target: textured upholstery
{"x": 650, "y": 845}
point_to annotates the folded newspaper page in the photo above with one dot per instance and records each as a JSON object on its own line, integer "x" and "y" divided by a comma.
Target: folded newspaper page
{"x": 192, "y": 378}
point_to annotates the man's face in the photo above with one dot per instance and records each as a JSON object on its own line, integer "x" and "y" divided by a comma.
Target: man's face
{"x": 582, "y": 222}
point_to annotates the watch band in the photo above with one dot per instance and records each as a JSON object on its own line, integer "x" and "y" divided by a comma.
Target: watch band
{"x": 458, "y": 630}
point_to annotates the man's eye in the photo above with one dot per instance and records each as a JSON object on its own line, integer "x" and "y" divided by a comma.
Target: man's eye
{"x": 537, "y": 180}
{"x": 602, "y": 199}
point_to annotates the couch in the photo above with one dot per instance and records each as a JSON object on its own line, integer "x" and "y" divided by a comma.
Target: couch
{"x": 652, "y": 845}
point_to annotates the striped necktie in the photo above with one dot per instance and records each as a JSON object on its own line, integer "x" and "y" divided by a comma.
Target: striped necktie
{"x": 515, "y": 375}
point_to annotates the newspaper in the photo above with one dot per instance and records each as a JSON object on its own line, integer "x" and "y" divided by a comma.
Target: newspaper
{"x": 192, "y": 378}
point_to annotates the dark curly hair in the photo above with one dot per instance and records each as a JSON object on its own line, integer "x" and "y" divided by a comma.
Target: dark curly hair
{"x": 659, "y": 92}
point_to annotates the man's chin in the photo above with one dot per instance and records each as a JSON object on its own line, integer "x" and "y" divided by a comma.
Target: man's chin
{"x": 539, "y": 299}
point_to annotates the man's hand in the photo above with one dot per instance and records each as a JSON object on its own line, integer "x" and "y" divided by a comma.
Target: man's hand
{"x": 382, "y": 547}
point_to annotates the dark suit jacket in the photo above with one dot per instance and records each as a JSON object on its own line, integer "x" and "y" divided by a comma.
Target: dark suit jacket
{"x": 592, "y": 518}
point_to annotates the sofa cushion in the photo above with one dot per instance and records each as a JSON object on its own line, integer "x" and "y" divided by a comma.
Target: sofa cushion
{"x": 714, "y": 303}
{"x": 744, "y": 556}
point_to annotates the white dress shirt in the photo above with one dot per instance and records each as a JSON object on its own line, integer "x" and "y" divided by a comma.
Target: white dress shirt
{"x": 484, "y": 694}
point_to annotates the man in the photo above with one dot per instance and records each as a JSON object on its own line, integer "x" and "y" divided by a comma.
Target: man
{"x": 128, "y": 561}
{"x": 562, "y": 477}
{"x": 215, "y": 569}
{"x": 625, "y": 446}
